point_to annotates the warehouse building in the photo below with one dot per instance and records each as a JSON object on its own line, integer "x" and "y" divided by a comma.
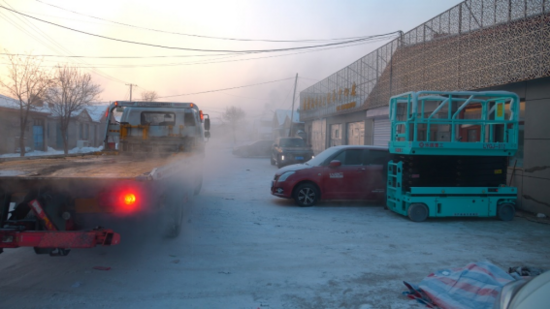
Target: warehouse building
{"x": 476, "y": 45}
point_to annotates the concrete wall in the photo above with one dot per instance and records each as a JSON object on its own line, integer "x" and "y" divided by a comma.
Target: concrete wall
{"x": 533, "y": 178}
{"x": 9, "y": 130}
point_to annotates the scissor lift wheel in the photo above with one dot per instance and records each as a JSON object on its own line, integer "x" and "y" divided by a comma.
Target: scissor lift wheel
{"x": 506, "y": 212}
{"x": 418, "y": 212}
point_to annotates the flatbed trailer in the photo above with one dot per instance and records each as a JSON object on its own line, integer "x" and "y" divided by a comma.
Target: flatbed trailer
{"x": 58, "y": 203}
{"x": 450, "y": 152}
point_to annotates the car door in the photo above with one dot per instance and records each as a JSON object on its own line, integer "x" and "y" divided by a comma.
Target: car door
{"x": 343, "y": 182}
{"x": 373, "y": 179}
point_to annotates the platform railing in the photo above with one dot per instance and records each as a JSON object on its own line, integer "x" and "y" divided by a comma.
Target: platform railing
{"x": 445, "y": 114}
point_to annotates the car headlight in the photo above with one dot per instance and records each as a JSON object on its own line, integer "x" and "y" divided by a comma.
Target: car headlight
{"x": 284, "y": 176}
{"x": 283, "y": 157}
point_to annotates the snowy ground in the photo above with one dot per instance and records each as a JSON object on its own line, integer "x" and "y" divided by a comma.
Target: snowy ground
{"x": 52, "y": 151}
{"x": 243, "y": 248}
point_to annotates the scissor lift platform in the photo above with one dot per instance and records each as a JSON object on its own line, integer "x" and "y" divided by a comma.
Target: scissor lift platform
{"x": 439, "y": 172}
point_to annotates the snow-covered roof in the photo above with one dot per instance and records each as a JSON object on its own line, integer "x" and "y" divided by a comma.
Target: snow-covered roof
{"x": 281, "y": 115}
{"x": 97, "y": 112}
{"x": 8, "y": 102}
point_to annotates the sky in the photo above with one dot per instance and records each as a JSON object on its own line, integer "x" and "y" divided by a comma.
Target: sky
{"x": 178, "y": 75}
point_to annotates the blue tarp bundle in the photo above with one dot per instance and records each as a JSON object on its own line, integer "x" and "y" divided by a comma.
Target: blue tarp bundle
{"x": 474, "y": 286}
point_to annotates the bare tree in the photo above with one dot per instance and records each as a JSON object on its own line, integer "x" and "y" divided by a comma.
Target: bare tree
{"x": 71, "y": 92}
{"x": 149, "y": 96}
{"x": 27, "y": 82}
{"x": 233, "y": 115}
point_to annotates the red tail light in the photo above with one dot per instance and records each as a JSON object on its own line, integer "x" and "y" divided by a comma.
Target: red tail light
{"x": 129, "y": 199}
{"x": 123, "y": 201}
{"x": 127, "y": 202}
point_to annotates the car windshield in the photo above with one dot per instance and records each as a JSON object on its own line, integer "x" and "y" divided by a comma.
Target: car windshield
{"x": 322, "y": 157}
{"x": 292, "y": 142}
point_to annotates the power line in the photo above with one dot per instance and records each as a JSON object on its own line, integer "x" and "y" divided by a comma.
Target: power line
{"x": 175, "y": 56}
{"x": 217, "y": 90}
{"x": 236, "y": 60}
{"x": 61, "y": 48}
{"x": 119, "y": 57}
{"x": 199, "y": 49}
{"x": 200, "y": 36}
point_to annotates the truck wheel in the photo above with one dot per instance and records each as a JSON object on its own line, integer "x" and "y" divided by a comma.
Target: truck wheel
{"x": 198, "y": 186}
{"x": 506, "y": 212}
{"x": 172, "y": 216}
{"x": 306, "y": 195}
{"x": 418, "y": 212}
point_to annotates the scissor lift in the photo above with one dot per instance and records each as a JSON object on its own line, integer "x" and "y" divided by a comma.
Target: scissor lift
{"x": 450, "y": 154}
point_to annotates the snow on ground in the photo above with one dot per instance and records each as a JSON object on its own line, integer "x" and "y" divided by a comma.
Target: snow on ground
{"x": 52, "y": 151}
{"x": 243, "y": 248}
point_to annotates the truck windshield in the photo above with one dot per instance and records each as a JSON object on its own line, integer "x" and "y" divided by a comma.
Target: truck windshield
{"x": 292, "y": 142}
{"x": 158, "y": 118}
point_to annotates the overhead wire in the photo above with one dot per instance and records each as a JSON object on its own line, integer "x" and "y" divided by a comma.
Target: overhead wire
{"x": 236, "y": 60}
{"x": 198, "y": 49}
{"x": 61, "y": 48}
{"x": 199, "y": 36}
{"x": 217, "y": 90}
{"x": 120, "y": 57}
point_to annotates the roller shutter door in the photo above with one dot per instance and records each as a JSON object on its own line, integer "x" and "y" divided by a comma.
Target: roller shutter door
{"x": 382, "y": 131}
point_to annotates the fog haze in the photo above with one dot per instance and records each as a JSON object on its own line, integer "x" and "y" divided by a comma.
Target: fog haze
{"x": 270, "y": 20}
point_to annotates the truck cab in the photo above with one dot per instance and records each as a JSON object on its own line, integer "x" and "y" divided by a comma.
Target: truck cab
{"x": 156, "y": 127}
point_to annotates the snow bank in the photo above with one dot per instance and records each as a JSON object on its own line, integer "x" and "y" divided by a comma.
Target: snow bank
{"x": 52, "y": 151}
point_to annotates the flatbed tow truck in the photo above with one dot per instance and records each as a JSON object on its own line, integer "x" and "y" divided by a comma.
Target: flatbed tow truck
{"x": 450, "y": 154}
{"x": 150, "y": 166}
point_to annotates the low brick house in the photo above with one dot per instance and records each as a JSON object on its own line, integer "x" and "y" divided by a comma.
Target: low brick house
{"x": 86, "y": 129}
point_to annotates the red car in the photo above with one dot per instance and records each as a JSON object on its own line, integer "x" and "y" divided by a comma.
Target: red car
{"x": 338, "y": 173}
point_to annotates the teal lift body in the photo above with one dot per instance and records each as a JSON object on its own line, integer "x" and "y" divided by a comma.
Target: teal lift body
{"x": 429, "y": 123}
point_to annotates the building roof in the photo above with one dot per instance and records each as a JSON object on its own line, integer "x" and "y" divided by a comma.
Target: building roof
{"x": 281, "y": 116}
{"x": 97, "y": 112}
{"x": 8, "y": 102}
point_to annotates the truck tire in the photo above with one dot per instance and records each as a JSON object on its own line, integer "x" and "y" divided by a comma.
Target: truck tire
{"x": 506, "y": 212}
{"x": 172, "y": 215}
{"x": 198, "y": 185}
{"x": 306, "y": 195}
{"x": 418, "y": 212}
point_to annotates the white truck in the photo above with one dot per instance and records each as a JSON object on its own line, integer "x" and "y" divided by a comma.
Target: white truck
{"x": 150, "y": 167}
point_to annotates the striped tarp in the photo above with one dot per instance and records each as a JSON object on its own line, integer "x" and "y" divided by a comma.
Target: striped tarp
{"x": 474, "y": 286}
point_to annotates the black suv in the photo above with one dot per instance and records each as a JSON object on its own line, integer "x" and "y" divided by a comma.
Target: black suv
{"x": 289, "y": 150}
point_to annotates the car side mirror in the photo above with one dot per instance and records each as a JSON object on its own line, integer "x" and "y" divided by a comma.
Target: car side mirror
{"x": 334, "y": 164}
{"x": 207, "y": 124}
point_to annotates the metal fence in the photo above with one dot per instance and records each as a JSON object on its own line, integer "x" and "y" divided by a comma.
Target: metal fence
{"x": 476, "y": 44}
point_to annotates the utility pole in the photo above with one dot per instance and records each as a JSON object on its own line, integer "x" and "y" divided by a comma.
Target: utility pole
{"x": 131, "y": 85}
{"x": 292, "y": 110}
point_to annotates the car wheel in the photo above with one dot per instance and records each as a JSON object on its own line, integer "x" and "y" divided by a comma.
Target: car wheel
{"x": 418, "y": 212}
{"x": 306, "y": 195}
{"x": 506, "y": 212}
